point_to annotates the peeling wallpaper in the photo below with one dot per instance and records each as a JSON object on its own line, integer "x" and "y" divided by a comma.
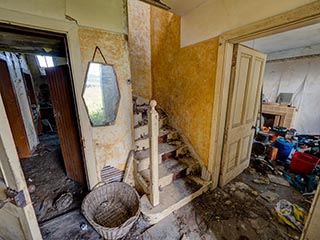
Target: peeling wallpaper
{"x": 111, "y": 143}
{"x": 183, "y": 79}
{"x": 140, "y": 48}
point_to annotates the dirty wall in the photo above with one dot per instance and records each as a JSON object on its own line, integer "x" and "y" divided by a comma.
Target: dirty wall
{"x": 302, "y": 78}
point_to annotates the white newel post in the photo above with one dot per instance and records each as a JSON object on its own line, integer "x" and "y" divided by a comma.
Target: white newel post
{"x": 154, "y": 154}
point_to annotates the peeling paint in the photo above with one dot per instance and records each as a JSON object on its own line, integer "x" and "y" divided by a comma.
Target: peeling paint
{"x": 111, "y": 143}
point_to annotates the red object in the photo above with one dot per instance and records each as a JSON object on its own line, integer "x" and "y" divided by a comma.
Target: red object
{"x": 273, "y": 137}
{"x": 303, "y": 163}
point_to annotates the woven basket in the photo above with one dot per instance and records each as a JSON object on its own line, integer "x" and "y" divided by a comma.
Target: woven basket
{"x": 112, "y": 209}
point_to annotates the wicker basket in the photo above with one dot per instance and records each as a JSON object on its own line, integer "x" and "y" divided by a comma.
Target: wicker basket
{"x": 112, "y": 209}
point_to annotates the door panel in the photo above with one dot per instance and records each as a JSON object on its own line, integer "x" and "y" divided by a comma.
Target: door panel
{"x": 15, "y": 223}
{"x": 65, "y": 116}
{"x": 13, "y": 112}
{"x": 244, "y": 95}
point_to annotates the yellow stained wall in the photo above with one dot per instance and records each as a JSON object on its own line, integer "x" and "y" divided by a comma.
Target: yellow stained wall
{"x": 140, "y": 48}
{"x": 183, "y": 79}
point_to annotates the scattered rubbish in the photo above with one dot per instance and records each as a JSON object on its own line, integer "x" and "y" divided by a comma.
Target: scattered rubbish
{"x": 84, "y": 227}
{"x": 303, "y": 163}
{"x": 291, "y": 214}
{"x": 271, "y": 152}
{"x": 269, "y": 196}
{"x": 31, "y": 188}
{"x": 284, "y": 148}
{"x": 258, "y": 148}
{"x": 309, "y": 194}
{"x": 303, "y": 182}
{"x": 64, "y": 201}
{"x": 262, "y": 180}
{"x": 184, "y": 237}
{"x": 44, "y": 207}
{"x": 128, "y": 166}
{"x": 278, "y": 180}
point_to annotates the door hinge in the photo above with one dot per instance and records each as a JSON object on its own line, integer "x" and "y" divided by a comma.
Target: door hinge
{"x": 14, "y": 197}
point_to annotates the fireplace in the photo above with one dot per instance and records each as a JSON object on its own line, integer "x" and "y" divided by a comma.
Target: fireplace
{"x": 277, "y": 115}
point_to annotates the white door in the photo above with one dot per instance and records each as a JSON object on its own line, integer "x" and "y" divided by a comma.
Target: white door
{"x": 244, "y": 96}
{"x": 16, "y": 223}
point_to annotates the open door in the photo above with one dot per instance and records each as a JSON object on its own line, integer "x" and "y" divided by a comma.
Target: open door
{"x": 244, "y": 96}
{"x": 13, "y": 112}
{"x": 17, "y": 218}
{"x": 59, "y": 83}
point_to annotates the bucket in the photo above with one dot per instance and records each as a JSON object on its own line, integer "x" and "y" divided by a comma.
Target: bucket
{"x": 303, "y": 163}
{"x": 284, "y": 148}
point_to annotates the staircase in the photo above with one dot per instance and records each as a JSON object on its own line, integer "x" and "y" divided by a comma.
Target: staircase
{"x": 169, "y": 179}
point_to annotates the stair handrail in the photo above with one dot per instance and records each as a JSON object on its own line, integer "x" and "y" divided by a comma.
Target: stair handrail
{"x": 153, "y": 120}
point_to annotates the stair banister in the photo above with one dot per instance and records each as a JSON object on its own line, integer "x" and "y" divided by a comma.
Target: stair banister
{"x": 153, "y": 119}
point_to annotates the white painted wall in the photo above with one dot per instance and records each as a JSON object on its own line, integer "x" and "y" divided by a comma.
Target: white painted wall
{"x": 288, "y": 76}
{"x": 214, "y": 17}
{"x": 103, "y": 14}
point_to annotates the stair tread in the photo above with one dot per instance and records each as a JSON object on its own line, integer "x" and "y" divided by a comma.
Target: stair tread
{"x": 163, "y": 148}
{"x": 145, "y": 121}
{"x": 172, "y": 194}
{"x": 162, "y": 132}
{"x": 166, "y": 168}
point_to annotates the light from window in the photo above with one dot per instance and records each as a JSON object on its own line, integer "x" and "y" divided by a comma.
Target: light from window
{"x": 45, "y": 61}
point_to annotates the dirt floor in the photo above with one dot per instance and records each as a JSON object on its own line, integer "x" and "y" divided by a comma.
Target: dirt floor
{"x": 235, "y": 212}
{"x": 54, "y": 192}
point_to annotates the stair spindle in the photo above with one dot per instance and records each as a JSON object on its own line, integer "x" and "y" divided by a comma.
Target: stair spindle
{"x": 154, "y": 153}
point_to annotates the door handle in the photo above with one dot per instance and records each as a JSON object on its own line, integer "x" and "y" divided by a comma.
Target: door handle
{"x": 254, "y": 127}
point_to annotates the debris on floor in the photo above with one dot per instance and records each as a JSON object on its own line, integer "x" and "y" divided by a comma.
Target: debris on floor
{"x": 52, "y": 192}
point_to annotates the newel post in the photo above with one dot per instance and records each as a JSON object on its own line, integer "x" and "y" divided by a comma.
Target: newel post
{"x": 153, "y": 118}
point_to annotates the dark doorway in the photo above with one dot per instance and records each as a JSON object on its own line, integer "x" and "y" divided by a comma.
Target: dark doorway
{"x": 36, "y": 87}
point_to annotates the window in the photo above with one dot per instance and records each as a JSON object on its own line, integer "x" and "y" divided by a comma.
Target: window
{"x": 45, "y": 61}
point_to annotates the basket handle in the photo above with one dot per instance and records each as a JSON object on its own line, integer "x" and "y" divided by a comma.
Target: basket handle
{"x": 133, "y": 219}
{"x": 98, "y": 185}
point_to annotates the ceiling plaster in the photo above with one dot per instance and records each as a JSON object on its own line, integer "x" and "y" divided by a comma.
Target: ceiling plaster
{"x": 298, "y": 38}
{"x": 182, "y": 7}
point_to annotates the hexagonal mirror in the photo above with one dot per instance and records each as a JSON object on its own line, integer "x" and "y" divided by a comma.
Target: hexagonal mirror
{"x": 101, "y": 94}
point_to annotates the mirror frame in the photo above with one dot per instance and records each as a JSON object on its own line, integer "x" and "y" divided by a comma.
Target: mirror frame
{"x": 83, "y": 90}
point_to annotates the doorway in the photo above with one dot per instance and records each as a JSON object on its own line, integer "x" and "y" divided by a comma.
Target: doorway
{"x": 226, "y": 63}
{"x": 36, "y": 87}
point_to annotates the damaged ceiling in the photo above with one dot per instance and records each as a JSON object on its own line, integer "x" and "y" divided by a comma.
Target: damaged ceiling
{"x": 31, "y": 43}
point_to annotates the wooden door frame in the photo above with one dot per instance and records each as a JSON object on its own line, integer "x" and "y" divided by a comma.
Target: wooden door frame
{"x": 300, "y": 17}
{"x": 70, "y": 29}
{"x": 303, "y": 16}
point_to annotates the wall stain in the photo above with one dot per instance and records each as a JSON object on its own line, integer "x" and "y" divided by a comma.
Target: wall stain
{"x": 183, "y": 79}
{"x": 111, "y": 143}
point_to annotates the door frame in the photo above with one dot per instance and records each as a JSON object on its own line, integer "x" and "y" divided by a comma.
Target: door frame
{"x": 303, "y": 16}
{"x": 299, "y": 17}
{"x": 70, "y": 29}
